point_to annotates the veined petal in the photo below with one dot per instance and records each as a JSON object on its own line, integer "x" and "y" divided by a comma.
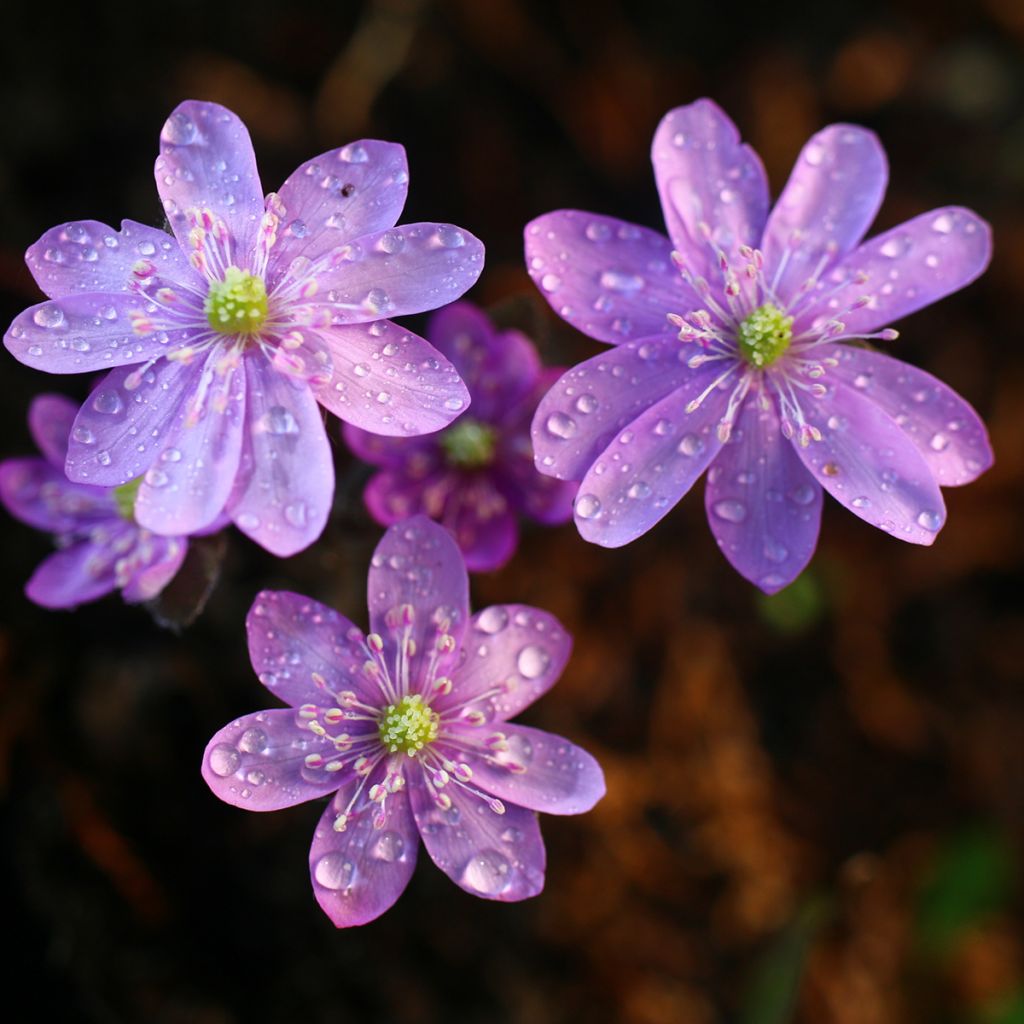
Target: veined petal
{"x": 337, "y": 196}
{"x": 537, "y": 770}
{"x": 397, "y": 452}
{"x": 305, "y": 652}
{"x": 511, "y": 655}
{"x": 904, "y": 270}
{"x": 947, "y": 431}
{"x": 85, "y": 256}
{"x": 870, "y": 465}
{"x": 496, "y": 856}
{"x": 286, "y": 476}
{"x": 709, "y": 182}
{"x": 50, "y": 418}
{"x": 652, "y": 463}
{"x": 480, "y": 518}
{"x": 269, "y": 760}
{"x": 207, "y": 162}
{"x": 407, "y": 269}
{"x": 360, "y": 872}
{"x": 123, "y": 425}
{"x": 592, "y": 402}
{"x": 500, "y": 368}
{"x": 79, "y": 333}
{"x": 72, "y": 576}
{"x": 36, "y": 492}
{"x": 763, "y": 506}
{"x": 153, "y": 563}
{"x": 389, "y": 381}
{"x": 392, "y": 496}
{"x": 612, "y": 280}
{"x": 829, "y": 202}
{"x": 188, "y": 483}
{"x": 418, "y": 591}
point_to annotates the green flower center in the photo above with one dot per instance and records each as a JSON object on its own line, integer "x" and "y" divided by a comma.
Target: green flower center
{"x": 238, "y": 304}
{"x": 469, "y": 444}
{"x": 765, "y": 335}
{"x": 124, "y": 497}
{"x": 408, "y": 725}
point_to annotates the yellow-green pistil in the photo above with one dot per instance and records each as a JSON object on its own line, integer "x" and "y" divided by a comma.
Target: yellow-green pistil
{"x": 238, "y": 304}
{"x": 124, "y": 497}
{"x": 409, "y": 725}
{"x": 764, "y": 335}
{"x": 469, "y": 444}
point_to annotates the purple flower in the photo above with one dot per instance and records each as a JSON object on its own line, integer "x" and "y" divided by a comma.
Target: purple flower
{"x": 223, "y": 338}
{"x": 408, "y": 728}
{"x": 730, "y": 350}
{"x": 102, "y": 548}
{"x": 477, "y": 474}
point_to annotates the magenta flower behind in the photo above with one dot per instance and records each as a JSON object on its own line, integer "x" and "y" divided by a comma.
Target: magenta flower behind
{"x": 408, "y": 728}
{"x": 477, "y": 475}
{"x": 732, "y": 350}
{"x": 223, "y": 338}
{"x": 101, "y": 547}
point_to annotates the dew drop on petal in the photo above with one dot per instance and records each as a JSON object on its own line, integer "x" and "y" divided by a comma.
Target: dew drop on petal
{"x": 388, "y": 846}
{"x": 586, "y": 404}
{"x": 334, "y": 871}
{"x": 488, "y": 872}
{"x": 224, "y": 760}
{"x": 929, "y": 519}
{"x": 588, "y": 506}
{"x": 492, "y": 620}
{"x": 48, "y": 316}
{"x": 731, "y": 510}
{"x": 253, "y": 741}
{"x": 532, "y": 661}
{"x": 560, "y": 425}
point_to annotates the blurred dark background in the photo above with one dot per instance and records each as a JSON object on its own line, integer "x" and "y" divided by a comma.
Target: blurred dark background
{"x": 816, "y": 802}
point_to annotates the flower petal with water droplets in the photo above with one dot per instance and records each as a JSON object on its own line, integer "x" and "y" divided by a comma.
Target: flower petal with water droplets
{"x": 577, "y": 419}
{"x": 706, "y": 175}
{"x": 763, "y": 507}
{"x": 154, "y": 562}
{"x": 36, "y": 492}
{"x": 538, "y": 770}
{"x": 269, "y": 760}
{"x": 496, "y": 856}
{"x": 906, "y": 269}
{"x": 868, "y": 463}
{"x": 338, "y": 196}
{"x": 207, "y": 162}
{"x": 86, "y": 256}
{"x": 50, "y": 418}
{"x": 73, "y": 576}
{"x": 651, "y": 463}
{"x": 947, "y": 431}
{"x": 610, "y": 279}
{"x": 359, "y": 873}
{"x": 286, "y": 475}
{"x": 829, "y": 202}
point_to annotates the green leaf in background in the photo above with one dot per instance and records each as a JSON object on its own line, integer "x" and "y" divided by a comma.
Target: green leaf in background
{"x": 796, "y": 607}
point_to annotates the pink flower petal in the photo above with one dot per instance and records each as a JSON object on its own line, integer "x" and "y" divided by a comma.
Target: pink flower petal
{"x": 539, "y": 771}
{"x": 592, "y": 402}
{"x": 389, "y": 381}
{"x": 946, "y": 430}
{"x": 496, "y": 856}
{"x": 870, "y": 465}
{"x": 612, "y": 280}
{"x": 829, "y": 202}
{"x": 286, "y": 475}
{"x": 50, "y": 418}
{"x": 72, "y": 576}
{"x": 305, "y": 652}
{"x": 40, "y": 495}
{"x": 651, "y": 464}
{"x": 904, "y": 270}
{"x": 708, "y": 180}
{"x": 337, "y": 196}
{"x": 359, "y": 873}
{"x": 87, "y": 256}
{"x": 207, "y": 162}
{"x": 188, "y": 484}
{"x": 269, "y": 760}
{"x": 156, "y": 562}
{"x": 763, "y": 506}
{"x": 511, "y": 655}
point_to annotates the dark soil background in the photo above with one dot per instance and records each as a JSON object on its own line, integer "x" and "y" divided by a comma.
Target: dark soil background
{"x": 816, "y": 802}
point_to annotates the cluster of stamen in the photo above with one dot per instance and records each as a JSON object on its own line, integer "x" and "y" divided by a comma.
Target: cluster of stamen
{"x": 469, "y": 444}
{"x": 409, "y": 725}
{"x": 237, "y": 304}
{"x": 764, "y": 335}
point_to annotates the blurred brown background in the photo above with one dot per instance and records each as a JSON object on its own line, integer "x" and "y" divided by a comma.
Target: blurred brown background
{"x": 816, "y": 802}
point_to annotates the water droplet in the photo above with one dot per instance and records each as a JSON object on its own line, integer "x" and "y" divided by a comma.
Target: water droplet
{"x": 248, "y": 521}
{"x": 334, "y": 871}
{"x": 179, "y": 129}
{"x": 298, "y": 229}
{"x": 814, "y": 154}
{"x": 639, "y": 490}
{"x": 83, "y": 435}
{"x": 450, "y": 237}
{"x": 453, "y": 404}
{"x": 170, "y": 455}
{"x": 156, "y": 477}
{"x": 802, "y": 495}
{"x": 621, "y": 281}
{"x": 861, "y": 381}
{"x": 253, "y": 741}
{"x": 930, "y": 520}
{"x": 588, "y": 506}
{"x": 391, "y": 242}
{"x": 224, "y": 760}
{"x": 277, "y": 420}
{"x": 560, "y": 425}
{"x": 48, "y": 316}
{"x": 731, "y": 510}
{"x": 896, "y": 246}
{"x": 295, "y": 514}
{"x": 597, "y": 231}
{"x": 487, "y": 872}
{"x": 943, "y": 224}
{"x": 492, "y": 620}
{"x": 830, "y": 469}
{"x": 550, "y": 282}
{"x": 108, "y": 403}
{"x": 938, "y": 442}
{"x": 861, "y": 502}
{"x": 690, "y": 445}
{"x": 587, "y": 404}
{"x": 388, "y": 846}
{"x": 532, "y": 661}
